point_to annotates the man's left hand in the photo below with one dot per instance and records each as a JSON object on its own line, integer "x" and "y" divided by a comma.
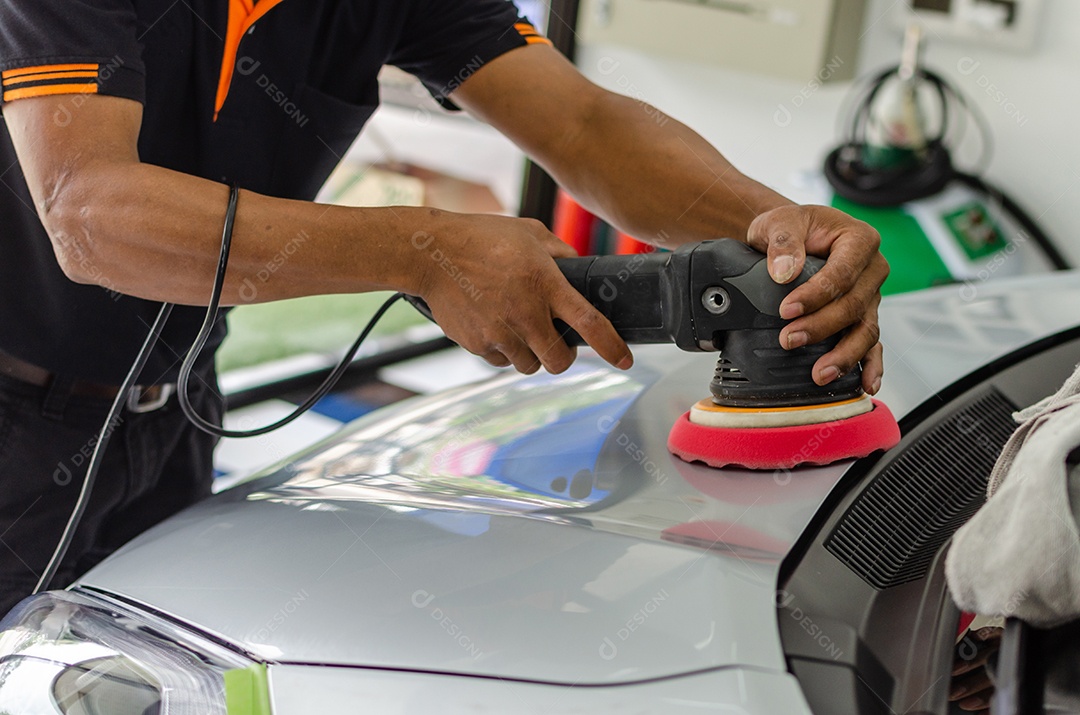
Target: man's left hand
{"x": 845, "y": 293}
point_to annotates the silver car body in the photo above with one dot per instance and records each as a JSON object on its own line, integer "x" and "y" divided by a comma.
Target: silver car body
{"x": 426, "y": 559}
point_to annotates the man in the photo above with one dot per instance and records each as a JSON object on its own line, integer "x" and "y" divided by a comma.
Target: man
{"x": 127, "y": 118}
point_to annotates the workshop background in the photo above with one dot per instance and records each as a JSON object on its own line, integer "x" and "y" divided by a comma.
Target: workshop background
{"x": 1036, "y": 153}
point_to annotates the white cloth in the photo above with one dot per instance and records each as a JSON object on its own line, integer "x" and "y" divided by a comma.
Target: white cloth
{"x": 1020, "y": 554}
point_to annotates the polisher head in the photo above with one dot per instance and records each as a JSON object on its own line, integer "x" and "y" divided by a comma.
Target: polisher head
{"x": 789, "y": 445}
{"x": 766, "y": 412}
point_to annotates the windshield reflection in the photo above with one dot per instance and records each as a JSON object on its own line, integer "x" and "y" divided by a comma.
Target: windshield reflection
{"x": 505, "y": 446}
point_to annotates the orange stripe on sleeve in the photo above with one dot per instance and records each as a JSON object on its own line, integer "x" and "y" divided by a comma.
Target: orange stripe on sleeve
{"x": 6, "y": 74}
{"x": 530, "y": 34}
{"x": 48, "y": 89}
{"x": 52, "y": 75}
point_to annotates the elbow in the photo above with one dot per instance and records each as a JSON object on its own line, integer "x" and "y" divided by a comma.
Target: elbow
{"x": 67, "y": 214}
{"x": 75, "y": 250}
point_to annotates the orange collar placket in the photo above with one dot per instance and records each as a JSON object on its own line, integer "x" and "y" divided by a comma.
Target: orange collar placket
{"x": 242, "y": 15}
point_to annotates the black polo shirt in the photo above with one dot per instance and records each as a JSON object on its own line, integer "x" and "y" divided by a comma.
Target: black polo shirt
{"x": 266, "y": 93}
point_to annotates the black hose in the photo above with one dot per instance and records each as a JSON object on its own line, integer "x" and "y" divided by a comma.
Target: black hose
{"x": 872, "y": 186}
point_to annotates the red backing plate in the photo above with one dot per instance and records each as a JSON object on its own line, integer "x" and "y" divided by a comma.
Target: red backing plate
{"x": 785, "y": 447}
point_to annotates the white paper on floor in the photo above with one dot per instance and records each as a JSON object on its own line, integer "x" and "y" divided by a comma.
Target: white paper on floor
{"x": 438, "y": 371}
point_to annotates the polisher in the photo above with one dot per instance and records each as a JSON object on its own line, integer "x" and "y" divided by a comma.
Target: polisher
{"x": 765, "y": 411}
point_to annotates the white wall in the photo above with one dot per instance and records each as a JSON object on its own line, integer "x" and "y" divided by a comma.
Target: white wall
{"x": 773, "y": 129}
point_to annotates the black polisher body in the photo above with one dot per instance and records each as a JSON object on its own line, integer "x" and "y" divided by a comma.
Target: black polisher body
{"x": 712, "y": 296}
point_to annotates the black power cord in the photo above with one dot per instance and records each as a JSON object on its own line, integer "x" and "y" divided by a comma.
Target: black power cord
{"x": 212, "y": 310}
{"x": 92, "y": 468}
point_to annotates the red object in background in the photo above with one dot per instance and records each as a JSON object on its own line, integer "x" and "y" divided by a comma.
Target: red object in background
{"x": 573, "y": 224}
{"x": 785, "y": 447}
{"x": 587, "y": 234}
{"x": 626, "y": 245}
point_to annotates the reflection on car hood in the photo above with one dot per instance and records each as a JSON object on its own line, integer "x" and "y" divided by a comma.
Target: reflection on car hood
{"x": 537, "y": 528}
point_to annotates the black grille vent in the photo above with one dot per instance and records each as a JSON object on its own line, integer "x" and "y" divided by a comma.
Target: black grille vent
{"x": 892, "y": 531}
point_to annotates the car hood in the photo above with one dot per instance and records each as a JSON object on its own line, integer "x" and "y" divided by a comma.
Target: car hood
{"x": 536, "y": 528}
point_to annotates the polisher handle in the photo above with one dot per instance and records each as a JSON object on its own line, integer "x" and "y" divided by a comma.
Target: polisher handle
{"x": 628, "y": 290}
{"x": 691, "y": 297}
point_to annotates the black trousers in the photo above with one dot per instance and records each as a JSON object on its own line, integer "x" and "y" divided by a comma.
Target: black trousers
{"x": 156, "y": 464}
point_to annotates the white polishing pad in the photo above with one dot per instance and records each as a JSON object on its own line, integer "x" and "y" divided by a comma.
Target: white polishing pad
{"x": 709, "y": 414}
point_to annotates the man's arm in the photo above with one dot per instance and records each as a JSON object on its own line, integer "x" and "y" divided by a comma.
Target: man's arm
{"x": 155, "y": 233}
{"x": 660, "y": 181}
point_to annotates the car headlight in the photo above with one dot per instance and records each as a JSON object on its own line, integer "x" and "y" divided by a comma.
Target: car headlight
{"x": 72, "y": 653}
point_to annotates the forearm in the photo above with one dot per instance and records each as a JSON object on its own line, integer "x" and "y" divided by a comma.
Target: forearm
{"x": 644, "y": 172}
{"x": 153, "y": 233}
{"x": 655, "y": 178}
{"x": 490, "y": 281}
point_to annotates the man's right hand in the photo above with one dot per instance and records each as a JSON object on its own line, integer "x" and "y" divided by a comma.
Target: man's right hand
{"x": 494, "y": 288}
